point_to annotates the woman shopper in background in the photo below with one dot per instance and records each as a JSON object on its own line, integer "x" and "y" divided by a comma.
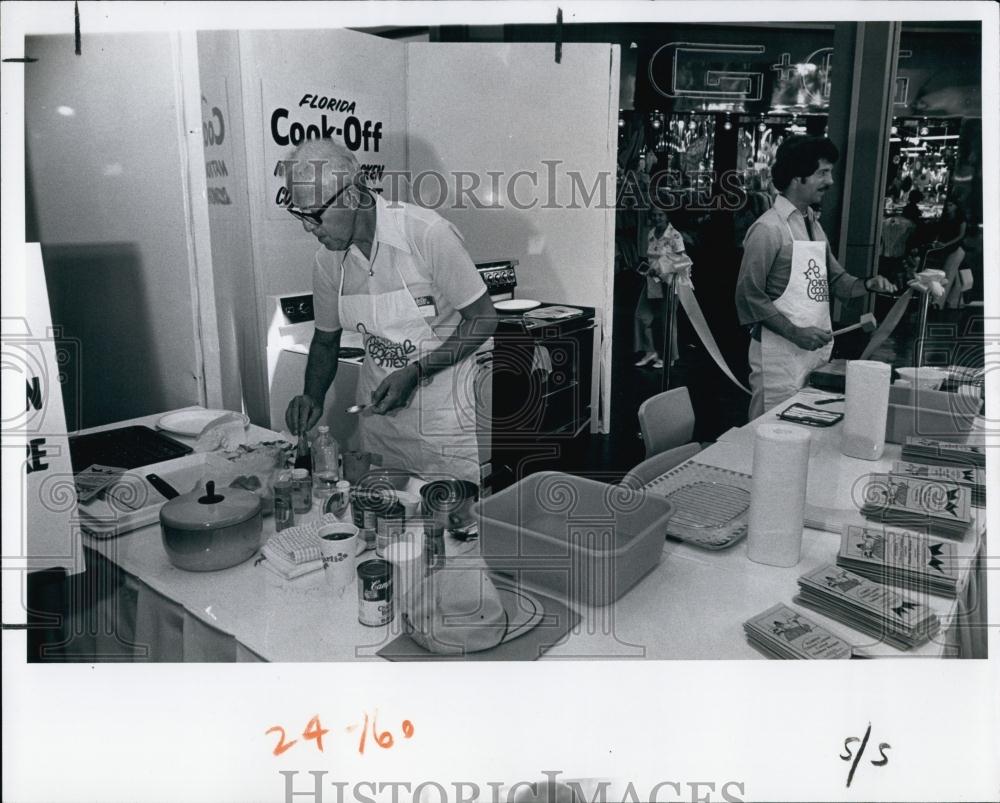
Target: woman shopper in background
{"x": 666, "y": 261}
{"x": 949, "y": 234}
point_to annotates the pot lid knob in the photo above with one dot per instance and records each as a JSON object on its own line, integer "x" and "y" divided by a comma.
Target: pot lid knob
{"x": 210, "y": 497}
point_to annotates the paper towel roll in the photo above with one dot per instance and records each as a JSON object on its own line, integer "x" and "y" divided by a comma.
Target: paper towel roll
{"x": 778, "y": 494}
{"x": 866, "y": 407}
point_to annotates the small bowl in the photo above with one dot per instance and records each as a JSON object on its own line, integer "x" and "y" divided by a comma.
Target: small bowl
{"x": 924, "y": 377}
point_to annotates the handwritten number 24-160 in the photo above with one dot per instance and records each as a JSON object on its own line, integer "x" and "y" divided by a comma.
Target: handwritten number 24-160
{"x": 314, "y": 731}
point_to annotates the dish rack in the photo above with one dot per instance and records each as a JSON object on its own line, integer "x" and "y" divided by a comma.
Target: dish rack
{"x": 711, "y": 505}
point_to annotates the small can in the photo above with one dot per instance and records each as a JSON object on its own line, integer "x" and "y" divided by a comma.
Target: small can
{"x": 375, "y": 593}
{"x": 361, "y": 507}
{"x": 338, "y": 501}
{"x": 301, "y": 491}
{"x": 386, "y": 530}
{"x": 284, "y": 513}
{"x": 368, "y": 535}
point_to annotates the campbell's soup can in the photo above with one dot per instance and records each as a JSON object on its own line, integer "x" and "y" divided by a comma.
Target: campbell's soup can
{"x": 375, "y": 592}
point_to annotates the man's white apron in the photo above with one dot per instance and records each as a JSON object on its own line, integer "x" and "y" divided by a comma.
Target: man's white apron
{"x": 435, "y": 434}
{"x": 779, "y": 368}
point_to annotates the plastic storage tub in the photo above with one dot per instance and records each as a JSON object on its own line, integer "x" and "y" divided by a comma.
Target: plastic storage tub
{"x": 930, "y": 414}
{"x": 586, "y": 541}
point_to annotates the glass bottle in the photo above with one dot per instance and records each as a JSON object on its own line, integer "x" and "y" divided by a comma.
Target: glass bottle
{"x": 325, "y": 462}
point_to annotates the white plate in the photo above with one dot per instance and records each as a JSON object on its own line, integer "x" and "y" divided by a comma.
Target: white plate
{"x": 517, "y": 305}
{"x": 190, "y": 423}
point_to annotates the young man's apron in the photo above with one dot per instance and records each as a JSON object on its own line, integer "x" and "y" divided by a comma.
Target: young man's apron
{"x": 435, "y": 435}
{"x": 784, "y": 367}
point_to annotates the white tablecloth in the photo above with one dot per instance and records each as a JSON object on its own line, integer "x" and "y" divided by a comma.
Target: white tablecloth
{"x": 692, "y": 605}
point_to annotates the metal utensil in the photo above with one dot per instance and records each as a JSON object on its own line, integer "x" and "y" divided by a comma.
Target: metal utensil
{"x": 356, "y": 408}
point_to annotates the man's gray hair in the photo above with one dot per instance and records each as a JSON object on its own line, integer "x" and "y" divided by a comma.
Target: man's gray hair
{"x": 339, "y": 165}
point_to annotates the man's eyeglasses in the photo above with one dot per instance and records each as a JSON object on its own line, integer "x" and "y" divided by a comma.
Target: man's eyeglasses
{"x": 315, "y": 216}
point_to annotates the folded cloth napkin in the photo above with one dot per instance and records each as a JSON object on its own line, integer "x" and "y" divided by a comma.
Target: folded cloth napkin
{"x": 274, "y": 560}
{"x": 455, "y": 610}
{"x": 297, "y": 544}
{"x": 297, "y": 551}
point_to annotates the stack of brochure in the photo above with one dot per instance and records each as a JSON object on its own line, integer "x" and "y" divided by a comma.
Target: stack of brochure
{"x": 783, "y": 632}
{"x": 896, "y": 557}
{"x": 972, "y": 478}
{"x": 943, "y": 453}
{"x": 942, "y": 508}
{"x": 867, "y": 606}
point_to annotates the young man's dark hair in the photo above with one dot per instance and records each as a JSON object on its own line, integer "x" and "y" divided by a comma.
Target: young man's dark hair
{"x": 798, "y": 157}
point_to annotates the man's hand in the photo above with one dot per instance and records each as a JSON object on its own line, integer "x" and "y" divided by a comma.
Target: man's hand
{"x": 812, "y": 338}
{"x": 321, "y": 367}
{"x": 395, "y": 390}
{"x": 302, "y": 414}
{"x": 879, "y": 284}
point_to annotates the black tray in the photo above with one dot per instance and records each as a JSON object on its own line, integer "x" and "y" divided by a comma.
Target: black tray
{"x": 125, "y": 447}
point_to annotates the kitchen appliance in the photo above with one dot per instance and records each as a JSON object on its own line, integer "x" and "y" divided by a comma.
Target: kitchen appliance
{"x": 206, "y": 530}
{"x": 542, "y": 374}
{"x": 124, "y": 447}
{"x": 540, "y": 377}
{"x": 500, "y": 278}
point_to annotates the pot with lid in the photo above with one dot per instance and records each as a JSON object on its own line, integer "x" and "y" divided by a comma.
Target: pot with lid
{"x": 205, "y": 531}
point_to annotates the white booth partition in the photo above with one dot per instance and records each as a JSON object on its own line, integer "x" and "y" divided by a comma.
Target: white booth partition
{"x": 547, "y": 129}
{"x": 538, "y": 142}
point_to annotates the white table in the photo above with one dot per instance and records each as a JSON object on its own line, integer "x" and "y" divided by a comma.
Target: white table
{"x": 692, "y": 605}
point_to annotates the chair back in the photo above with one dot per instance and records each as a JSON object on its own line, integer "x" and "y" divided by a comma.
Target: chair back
{"x": 652, "y": 467}
{"x": 666, "y": 420}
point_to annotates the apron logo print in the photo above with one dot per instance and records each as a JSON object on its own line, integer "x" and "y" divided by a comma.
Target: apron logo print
{"x": 817, "y": 289}
{"x": 386, "y": 353}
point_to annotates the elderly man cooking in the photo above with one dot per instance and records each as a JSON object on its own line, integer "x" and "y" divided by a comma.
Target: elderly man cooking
{"x": 400, "y": 276}
{"x": 787, "y": 273}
